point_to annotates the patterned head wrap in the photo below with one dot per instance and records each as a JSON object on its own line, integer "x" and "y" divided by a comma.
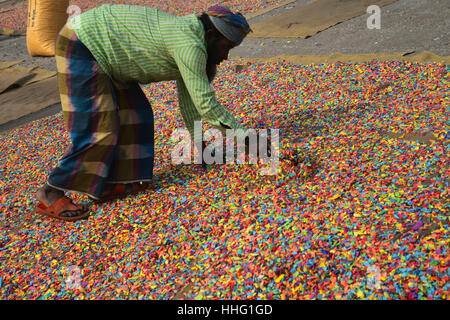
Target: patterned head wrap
{"x": 233, "y": 26}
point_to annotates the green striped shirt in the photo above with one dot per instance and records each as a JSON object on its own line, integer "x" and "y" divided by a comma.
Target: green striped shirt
{"x": 141, "y": 44}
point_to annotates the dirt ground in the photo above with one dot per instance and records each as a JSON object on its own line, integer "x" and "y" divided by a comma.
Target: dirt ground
{"x": 406, "y": 25}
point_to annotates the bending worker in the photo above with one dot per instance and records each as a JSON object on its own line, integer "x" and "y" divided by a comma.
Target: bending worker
{"x": 102, "y": 56}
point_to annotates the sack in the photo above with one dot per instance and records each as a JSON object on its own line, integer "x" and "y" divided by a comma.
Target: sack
{"x": 44, "y": 21}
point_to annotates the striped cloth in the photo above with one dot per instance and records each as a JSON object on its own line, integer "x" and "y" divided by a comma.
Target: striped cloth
{"x": 110, "y": 124}
{"x": 141, "y": 44}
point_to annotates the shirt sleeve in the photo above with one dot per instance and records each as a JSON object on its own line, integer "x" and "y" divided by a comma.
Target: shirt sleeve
{"x": 188, "y": 111}
{"x": 197, "y": 97}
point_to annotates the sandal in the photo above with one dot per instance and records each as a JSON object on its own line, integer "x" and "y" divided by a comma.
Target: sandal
{"x": 60, "y": 206}
{"x": 120, "y": 191}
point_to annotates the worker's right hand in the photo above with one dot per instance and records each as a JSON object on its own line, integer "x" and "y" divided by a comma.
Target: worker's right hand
{"x": 258, "y": 142}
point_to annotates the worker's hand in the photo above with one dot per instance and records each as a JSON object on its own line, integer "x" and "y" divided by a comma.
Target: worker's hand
{"x": 204, "y": 165}
{"x": 259, "y": 141}
{"x": 248, "y": 149}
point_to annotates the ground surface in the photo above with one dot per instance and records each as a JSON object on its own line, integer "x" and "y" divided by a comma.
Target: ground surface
{"x": 406, "y": 25}
{"x": 359, "y": 207}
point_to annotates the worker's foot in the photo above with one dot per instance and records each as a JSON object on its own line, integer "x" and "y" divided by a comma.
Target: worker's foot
{"x": 121, "y": 190}
{"x": 53, "y": 203}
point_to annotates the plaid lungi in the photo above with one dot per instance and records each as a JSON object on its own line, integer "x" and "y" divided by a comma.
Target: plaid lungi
{"x": 110, "y": 124}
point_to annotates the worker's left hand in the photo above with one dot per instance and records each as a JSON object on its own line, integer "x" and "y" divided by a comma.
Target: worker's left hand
{"x": 258, "y": 142}
{"x": 204, "y": 165}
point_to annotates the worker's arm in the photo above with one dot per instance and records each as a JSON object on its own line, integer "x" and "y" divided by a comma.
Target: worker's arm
{"x": 197, "y": 97}
{"x": 188, "y": 111}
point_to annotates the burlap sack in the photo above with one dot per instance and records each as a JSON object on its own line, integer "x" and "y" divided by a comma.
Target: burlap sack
{"x": 45, "y": 19}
